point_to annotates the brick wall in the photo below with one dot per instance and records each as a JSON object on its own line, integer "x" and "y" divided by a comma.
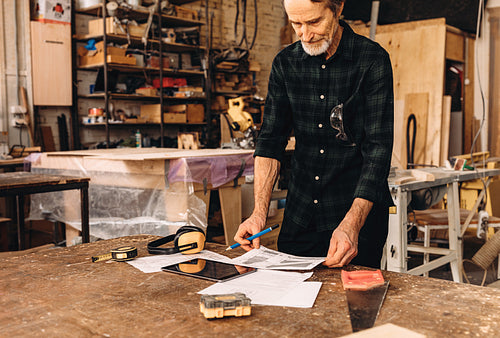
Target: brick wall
{"x": 271, "y": 17}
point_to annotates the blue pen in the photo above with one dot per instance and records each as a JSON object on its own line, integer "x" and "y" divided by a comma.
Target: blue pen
{"x": 265, "y": 231}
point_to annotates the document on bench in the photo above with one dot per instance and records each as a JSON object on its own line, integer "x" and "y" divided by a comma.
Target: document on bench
{"x": 264, "y": 258}
{"x": 268, "y": 287}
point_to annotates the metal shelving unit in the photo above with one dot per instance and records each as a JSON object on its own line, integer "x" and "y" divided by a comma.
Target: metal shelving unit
{"x": 155, "y": 43}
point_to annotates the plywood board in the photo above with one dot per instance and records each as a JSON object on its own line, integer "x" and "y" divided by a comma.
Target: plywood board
{"x": 399, "y": 146}
{"x": 51, "y": 50}
{"x": 445, "y": 128}
{"x": 494, "y": 108}
{"x": 417, "y": 52}
{"x": 142, "y": 154}
{"x": 455, "y": 46}
{"x": 468, "y": 104}
{"x": 417, "y": 104}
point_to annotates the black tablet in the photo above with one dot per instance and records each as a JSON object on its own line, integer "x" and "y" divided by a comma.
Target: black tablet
{"x": 207, "y": 269}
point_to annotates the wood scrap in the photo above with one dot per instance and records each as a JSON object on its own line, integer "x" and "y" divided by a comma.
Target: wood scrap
{"x": 415, "y": 175}
{"x": 27, "y": 117}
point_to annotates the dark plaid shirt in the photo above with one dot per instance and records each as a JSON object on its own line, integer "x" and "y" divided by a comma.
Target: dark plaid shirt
{"x": 327, "y": 173}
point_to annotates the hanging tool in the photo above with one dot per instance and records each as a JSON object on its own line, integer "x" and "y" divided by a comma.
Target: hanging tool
{"x": 242, "y": 121}
{"x": 365, "y": 292}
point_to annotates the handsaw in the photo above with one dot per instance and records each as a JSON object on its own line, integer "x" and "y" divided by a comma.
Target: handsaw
{"x": 365, "y": 292}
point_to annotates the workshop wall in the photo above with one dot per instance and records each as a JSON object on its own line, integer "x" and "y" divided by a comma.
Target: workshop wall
{"x": 15, "y": 67}
{"x": 271, "y": 18}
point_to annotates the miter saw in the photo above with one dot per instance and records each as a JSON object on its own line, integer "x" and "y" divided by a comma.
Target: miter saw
{"x": 241, "y": 121}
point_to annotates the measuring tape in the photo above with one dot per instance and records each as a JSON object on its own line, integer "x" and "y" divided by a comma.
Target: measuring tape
{"x": 120, "y": 254}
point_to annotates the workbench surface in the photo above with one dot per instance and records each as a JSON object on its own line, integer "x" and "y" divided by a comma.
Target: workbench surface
{"x": 59, "y": 292}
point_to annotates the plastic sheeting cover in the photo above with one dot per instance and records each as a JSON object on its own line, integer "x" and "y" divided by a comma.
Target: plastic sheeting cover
{"x": 125, "y": 203}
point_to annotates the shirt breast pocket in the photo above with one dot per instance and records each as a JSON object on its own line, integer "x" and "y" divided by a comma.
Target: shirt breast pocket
{"x": 353, "y": 120}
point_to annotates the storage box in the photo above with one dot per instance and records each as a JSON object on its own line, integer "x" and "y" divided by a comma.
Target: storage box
{"x": 151, "y": 113}
{"x": 185, "y": 13}
{"x": 170, "y": 60}
{"x": 195, "y": 113}
{"x": 170, "y": 82}
{"x": 174, "y": 118}
{"x": 95, "y": 28}
{"x": 175, "y": 114}
{"x": 52, "y": 11}
{"x": 147, "y": 91}
{"x": 115, "y": 55}
{"x": 99, "y": 59}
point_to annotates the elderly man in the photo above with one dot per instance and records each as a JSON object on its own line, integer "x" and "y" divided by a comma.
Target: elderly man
{"x": 334, "y": 88}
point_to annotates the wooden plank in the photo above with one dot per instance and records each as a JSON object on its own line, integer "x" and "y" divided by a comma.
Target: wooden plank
{"x": 494, "y": 108}
{"x": 47, "y": 138}
{"x": 399, "y": 147}
{"x": 445, "y": 128}
{"x": 230, "y": 204}
{"x": 468, "y": 103}
{"x": 455, "y": 46}
{"x": 25, "y": 105}
{"x": 417, "y": 104}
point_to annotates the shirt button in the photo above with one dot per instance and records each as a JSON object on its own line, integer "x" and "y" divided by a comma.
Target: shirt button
{"x": 315, "y": 201}
{"x": 323, "y": 66}
{"x": 322, "y": 151}
{"x": 316, "y": 178}
{"x": 322, "y": 97}
{"x": 320, "y": 125}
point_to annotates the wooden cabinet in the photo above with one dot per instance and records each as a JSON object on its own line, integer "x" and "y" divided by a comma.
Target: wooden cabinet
{"x": 421, "y": 52}
{"x": 51, "y": 63}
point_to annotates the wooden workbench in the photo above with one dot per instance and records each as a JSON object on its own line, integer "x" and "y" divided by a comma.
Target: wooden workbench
{"x": 60, "y": 292}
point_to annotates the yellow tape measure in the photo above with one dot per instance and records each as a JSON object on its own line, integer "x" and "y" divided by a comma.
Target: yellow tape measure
{"x": 121, "y": 254}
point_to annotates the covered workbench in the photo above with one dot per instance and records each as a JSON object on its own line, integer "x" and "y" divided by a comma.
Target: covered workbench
{"x": 60, "y": 293}
{"x": 145, "y": 190}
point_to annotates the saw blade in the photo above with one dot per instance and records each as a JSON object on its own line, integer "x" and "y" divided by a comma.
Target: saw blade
{"x": 364, "y": 306}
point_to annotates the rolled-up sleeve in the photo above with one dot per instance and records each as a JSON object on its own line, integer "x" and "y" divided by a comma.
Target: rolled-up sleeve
{"x": 277, "y": 120}
{"x": 379, "y": 129}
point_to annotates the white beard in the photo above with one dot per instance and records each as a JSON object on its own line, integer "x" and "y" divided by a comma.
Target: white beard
{"x": 315, "y": 49}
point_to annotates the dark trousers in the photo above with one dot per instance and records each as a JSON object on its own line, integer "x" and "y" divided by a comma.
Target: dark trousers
{"x": 308, "y": 242}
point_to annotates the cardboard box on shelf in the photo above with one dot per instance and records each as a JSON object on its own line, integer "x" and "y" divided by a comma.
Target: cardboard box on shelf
{"x": 170, "y": 60}
{"x": 195, "y": 113}
{"x": 179, "y": 113}
{"x": 186, "y": 13}
{"x": 174, "y": 118}
{"x": 52, "y": 11}
{"x": 115, "y": 55}
{"x": 175, "y": 114}
{"x": 95, "y": 28}
{"x": 151, "y": 113}
{"x": 147, "y": 91}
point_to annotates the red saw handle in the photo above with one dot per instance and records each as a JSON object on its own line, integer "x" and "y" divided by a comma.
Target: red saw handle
{"x": 361, "y": 279}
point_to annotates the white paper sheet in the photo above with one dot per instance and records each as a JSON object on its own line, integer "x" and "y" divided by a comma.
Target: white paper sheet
{"x": 267, "y": 287}
{"x": 156, "y": 262}
{"x": 264, "y": 258}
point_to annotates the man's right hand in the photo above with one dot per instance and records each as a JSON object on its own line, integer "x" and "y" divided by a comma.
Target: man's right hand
{"x": 248, "y": 228}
